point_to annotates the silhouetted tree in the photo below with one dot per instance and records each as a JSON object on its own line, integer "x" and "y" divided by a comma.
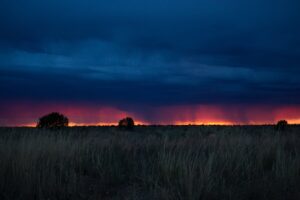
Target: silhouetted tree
{"x": 53, "y": 120}
{"x": 126, "y": 123}
{"x": 281, "y": 125}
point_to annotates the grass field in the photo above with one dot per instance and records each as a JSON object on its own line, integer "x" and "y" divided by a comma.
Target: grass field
{"x": 157, "y": 162}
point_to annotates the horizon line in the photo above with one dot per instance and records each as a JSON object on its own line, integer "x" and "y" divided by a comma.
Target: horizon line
{"x": 116, "y": 125}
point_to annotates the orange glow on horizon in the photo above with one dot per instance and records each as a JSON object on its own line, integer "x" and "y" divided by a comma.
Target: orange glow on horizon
{"x": 202, "y": 123}
{"x": 177, "y": 123}
{"x": 31, "y": 125}
{"x": 294, "y": 121}
{"x": 72, "y": 124}
{"x": 26, "y": 114}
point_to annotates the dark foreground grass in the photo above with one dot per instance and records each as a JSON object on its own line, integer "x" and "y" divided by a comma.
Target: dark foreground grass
{"x": 204, "y": 162}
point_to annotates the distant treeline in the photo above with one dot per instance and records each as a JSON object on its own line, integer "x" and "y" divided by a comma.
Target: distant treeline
{"x": 57, "y": 120}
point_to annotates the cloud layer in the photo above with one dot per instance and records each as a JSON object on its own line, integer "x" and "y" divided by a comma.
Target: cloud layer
{"x": 134, "y": 55}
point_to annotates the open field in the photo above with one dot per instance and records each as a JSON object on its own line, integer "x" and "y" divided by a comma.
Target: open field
{"x": 157, "y": 162}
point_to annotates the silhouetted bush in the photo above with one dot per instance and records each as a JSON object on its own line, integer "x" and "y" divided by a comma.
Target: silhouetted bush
{"x": 126, "y": 123}
{"x": 281, "y": 125}
{"x": 53, "y": 120}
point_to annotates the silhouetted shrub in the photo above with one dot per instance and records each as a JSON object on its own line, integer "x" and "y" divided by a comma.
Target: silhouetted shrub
{"x": 53, "y": 120}
{"x": 281, "y": 125}
{"x": 126, "y": 123}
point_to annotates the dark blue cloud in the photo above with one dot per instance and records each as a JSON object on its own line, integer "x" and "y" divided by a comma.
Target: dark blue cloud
{"x": 155, "y": 53}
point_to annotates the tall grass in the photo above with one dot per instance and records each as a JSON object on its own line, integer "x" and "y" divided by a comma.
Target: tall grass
{"x": 204, "y": 162}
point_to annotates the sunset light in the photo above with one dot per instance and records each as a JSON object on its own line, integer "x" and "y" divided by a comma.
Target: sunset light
{"x": 81, "y": 115}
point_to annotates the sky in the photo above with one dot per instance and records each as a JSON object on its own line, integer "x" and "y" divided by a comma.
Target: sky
{"x": 159, "y": 61}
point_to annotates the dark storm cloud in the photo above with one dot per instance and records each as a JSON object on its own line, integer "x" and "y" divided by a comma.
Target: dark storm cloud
{"x": 155, "y": 53}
